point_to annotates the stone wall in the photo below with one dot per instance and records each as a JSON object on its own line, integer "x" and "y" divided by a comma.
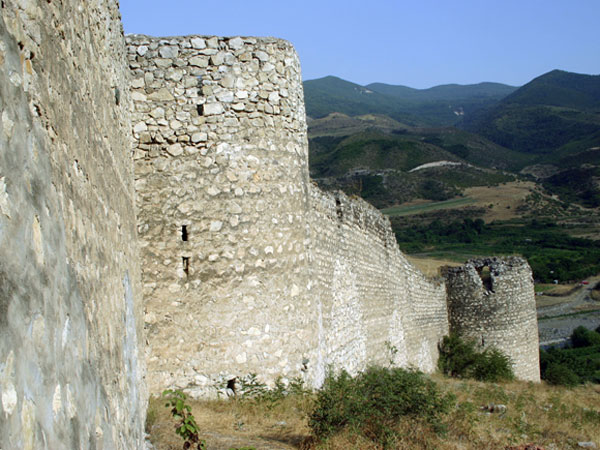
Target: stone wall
{"x": 272, "y": 275}
{"x": 373, "y": 305}
{"x": 221, "y": 180}
{"x": 492, "y": 301}
{"x": 71, "y": 364}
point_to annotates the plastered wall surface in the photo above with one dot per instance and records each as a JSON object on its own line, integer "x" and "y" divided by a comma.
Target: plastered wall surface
{"x": 492, "y": 300}
{"x": 373, "y": 306}
{"x": 71, "y": 364}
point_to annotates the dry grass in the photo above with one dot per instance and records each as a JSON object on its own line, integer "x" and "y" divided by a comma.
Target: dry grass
{"x": 551, "y": 417}
{"x": 233, "y": 423}
{"x": 505, "y": 199}
{"x": 430, "y": 266}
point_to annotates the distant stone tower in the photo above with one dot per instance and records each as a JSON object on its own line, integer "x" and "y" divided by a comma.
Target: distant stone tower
{"x": 492, "y": 301}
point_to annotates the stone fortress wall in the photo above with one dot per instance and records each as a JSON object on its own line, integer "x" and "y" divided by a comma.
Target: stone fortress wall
{"x": 492, "y": 301}
{"x": 245, "y": 265}
{"x": 248, "y": 267}
{"x": 221, "y": 179}
{"x": 71, "y": 317}
{"x": 373, "y": 305}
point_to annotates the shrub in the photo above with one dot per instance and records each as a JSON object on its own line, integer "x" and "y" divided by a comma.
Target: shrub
{"x": 460, "y": 358}
{"x": 457, "y": 356}
{"x": 373, "y": 402}
{"x": 582, "y": 337}
{"x": 560, "y": 375}
{"x": 492, "y": 365}
{"x": 252, "y": 390}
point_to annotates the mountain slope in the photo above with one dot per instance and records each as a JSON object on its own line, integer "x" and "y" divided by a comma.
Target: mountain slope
{"x": 437, "y": 106}
{"x": 448, "y": 92}
{"x": 332, "y": 94}
{"x": 555, "y": 114}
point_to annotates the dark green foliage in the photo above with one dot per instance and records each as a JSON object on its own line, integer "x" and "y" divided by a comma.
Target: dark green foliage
{"x": 492, "y": 365}
{"x": 550, "y": 251}
{"x": 374, "y": 401}
{"x": 560, "y": 375}
{"x": 576, "y": 185}
{"x": 582, "y": 337}
{"x": 461, "y": 358}
{"x": 553, "y": 111}
{"x": 576, "y": 364}
{"x": 457, "y": 356}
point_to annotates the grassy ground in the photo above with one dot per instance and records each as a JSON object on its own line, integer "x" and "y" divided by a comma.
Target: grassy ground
{"x": 409, "y": 209}
{"x": 548, "y": 416}
{"x": 431, "y": 266}
{"x": 501, "y": 202}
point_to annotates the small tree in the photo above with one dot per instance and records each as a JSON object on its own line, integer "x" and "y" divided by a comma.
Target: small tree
{"x": 186, "y": 423}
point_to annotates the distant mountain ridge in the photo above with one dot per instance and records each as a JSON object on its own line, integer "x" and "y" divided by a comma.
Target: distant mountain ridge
{"x": 438, "y": 106}
{"x": 555, "y": 114}
{"x": 559, "y": 88}
{"x": 366, "y": 139}
{"x": 448, "y": 92}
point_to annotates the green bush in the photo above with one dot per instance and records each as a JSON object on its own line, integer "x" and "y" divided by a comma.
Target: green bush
{"x": 576, "y": 364}
{"x": 374, "y": 401}
{"x": 560, "y": 375}
{"x": 492, "y": 365}
{"x": 582, "y": 337}
{"x": 460, "y": 358}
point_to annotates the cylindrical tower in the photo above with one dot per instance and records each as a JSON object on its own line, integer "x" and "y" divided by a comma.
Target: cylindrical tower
{"x": 221, "y": 178}
{"x": 492, "y": 300}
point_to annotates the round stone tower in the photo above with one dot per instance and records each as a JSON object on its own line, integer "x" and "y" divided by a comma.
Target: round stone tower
{"x": 492, "y": 301}
{"x": 221, "y": 168}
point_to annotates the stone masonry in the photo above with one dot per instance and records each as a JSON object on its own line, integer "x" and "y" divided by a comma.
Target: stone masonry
{"x": 71, "y": 318}
{"x": 243, "y": 265}
{"x": 492, "y": 301}
{"x": 248, "y": 267}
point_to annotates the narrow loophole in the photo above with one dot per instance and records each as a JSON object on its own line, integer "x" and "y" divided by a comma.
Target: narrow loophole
{"x": 186, "y": 265}
{"x": 184, "y": 233}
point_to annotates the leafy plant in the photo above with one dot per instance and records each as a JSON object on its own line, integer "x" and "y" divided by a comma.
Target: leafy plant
{"x": 374, "y": 402}
{"x": 560, "y": 375}
{"x": 186, "y": 426}
{"x": 573, "y": 365}
{"x": 582, "y": 337}
{"x": 460, "y": 358}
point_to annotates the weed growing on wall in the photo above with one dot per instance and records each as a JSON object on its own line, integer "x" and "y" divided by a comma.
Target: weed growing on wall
{"x": 373, "y": 403}
{"x": 460, "y": 358}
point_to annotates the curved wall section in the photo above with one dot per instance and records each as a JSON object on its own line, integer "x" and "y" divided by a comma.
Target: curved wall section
{"x": 492, "y": 300}
{"x": 221, "y": 177}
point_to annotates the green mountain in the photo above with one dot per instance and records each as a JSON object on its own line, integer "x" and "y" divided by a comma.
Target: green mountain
{"x": 437, "y": 106}
{"x": 552, "y": 116}
{"x": 446, "y": 92}
{"x": 390, "y": 167}
{"x": 331, "y": 94}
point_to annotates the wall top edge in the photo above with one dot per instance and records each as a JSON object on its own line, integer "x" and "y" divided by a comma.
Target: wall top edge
{"x": 134, "y": 38}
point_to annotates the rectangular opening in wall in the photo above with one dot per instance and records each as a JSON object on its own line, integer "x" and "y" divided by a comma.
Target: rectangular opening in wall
{"x": 184, "y": 233}
{"x": 186, "y": 265}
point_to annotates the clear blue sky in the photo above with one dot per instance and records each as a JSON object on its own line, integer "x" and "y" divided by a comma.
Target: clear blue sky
{"x": 416, "y": 43}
